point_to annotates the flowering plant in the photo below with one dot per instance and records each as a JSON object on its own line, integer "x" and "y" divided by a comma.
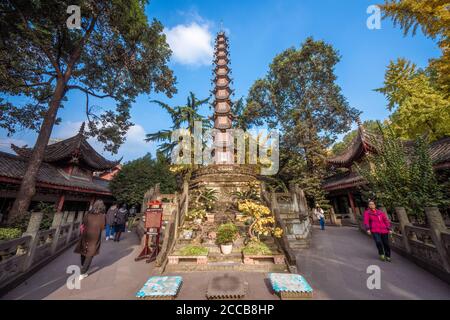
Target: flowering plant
{"x": 263, "y": 220}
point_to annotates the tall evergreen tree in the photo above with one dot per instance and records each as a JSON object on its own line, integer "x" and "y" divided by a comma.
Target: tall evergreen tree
{"x": 116, "y": 54}
{"x": 299, "y": 96}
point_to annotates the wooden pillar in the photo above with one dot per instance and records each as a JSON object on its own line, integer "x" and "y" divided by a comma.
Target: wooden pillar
{"x": 352, "y": 206}
{"x": 60, "y": 205}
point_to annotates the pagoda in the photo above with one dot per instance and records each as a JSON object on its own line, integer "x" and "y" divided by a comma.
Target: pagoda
{"x": 223, "y": 175}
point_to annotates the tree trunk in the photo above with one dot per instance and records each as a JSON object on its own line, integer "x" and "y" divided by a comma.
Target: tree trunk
{"x": 28, "y": 185}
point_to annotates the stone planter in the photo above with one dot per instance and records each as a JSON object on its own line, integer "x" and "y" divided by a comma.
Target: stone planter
{"x": 256, "y": 259}
{"x": 210, "y": 218}
{"x": 226, "y": 248}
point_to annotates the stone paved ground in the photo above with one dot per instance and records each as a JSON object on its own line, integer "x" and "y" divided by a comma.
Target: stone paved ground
{"x": 335, "y": 266}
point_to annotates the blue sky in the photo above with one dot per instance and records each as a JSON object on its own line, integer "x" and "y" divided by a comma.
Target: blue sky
{"x": 258, "y": 30}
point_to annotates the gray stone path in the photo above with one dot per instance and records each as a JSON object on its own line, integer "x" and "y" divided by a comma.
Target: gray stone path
{"x": 335, "y": 266}
{"x": 337, "y": 262}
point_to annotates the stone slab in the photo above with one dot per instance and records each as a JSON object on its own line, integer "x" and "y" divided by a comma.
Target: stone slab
{"x": 226, "y": 286}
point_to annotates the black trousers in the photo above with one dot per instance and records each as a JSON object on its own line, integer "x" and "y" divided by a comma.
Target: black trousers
{"x": 85, "y": 263}
{"x": 382, "y": 243}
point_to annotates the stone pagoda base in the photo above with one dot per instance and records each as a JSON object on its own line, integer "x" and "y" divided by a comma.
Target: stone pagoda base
{"x": 224, "y": 178}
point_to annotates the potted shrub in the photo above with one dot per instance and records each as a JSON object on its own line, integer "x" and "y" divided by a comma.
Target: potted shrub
{"x": 226, "y": 234}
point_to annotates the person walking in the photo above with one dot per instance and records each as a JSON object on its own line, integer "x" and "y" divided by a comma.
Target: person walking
{"x": 91, "y": 233}
{"x": 318, "y": 211}
{"x": 131, "y": 218}
{"x": 120, "y": 221}
{"x": 378, "y": 225}
{"x": 110, "y": 214}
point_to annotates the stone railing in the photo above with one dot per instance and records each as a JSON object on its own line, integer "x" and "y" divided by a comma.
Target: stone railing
{"x": 21, "y": 257}
{"x": 428, "y": 246}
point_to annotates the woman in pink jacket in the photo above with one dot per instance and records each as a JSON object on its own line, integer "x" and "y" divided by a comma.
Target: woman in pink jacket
{"x": 377, "y": 224}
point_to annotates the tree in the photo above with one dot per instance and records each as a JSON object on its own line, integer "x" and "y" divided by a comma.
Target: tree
{"x": 419, "y": 106}
{"x": 434, "y": 19}
{"x": 398, "y": 176}
{"x": 138, "y": 176}
{"x": 115, "y": 55}
{"x": 182, "y": 117}
{"x": 299, "y": 97}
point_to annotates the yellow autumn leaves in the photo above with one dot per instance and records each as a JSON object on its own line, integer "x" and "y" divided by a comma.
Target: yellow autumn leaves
{"x": 264, "y": 221}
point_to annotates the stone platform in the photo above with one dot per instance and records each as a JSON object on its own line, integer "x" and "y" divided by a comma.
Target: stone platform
{"x": 225, "y": 178}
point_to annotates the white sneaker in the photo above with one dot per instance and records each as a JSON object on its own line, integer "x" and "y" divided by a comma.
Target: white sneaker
{"x": 82, "y": 276}
{"x": 129, "y": 231}
{"x": 107, "y": 238}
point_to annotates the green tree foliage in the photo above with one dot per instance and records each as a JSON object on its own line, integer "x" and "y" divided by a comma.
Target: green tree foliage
{"x": 138, "y": 176}
{"x": 182, "y": 117}
{"x": 299, "y": 96}
{"x": 399, "y": 176}
{"x": 115, "y": 55}
{"x": 433, "y": 17}
{"x": 419, "y": 106}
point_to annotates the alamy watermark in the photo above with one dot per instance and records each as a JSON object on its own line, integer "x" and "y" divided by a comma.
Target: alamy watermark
{"x": 73, "y": 281}
{"x": 374, "y": 280}
{"x": 232, "y": 146}
{"x": 74, "y": 20}
{"x": 374, "y": 20}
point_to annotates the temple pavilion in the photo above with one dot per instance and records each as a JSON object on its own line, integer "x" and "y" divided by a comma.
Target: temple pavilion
{"x": 344, "y": 188}
{"x": 66, "y": 176}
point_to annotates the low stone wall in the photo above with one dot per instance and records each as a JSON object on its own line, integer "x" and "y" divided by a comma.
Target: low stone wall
{"x": 20, "y": 258}
{"x": 428, "y": 247}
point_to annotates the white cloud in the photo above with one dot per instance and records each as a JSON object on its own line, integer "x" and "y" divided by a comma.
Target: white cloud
{"x": 191, "y": 44}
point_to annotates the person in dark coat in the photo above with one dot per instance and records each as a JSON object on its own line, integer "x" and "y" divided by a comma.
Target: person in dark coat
{"x": 120, "y": 221}
{"x": 89, "y": 244}
{"x": 110, "y": 215}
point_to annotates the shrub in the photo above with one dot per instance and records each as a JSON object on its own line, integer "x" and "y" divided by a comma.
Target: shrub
{"x": 226, "y": 233}
{"x": 9, "y": 233}
{"x": 193, "y": 251}
{"x": 196, "y": 214}
{"x": 257, "y": 248}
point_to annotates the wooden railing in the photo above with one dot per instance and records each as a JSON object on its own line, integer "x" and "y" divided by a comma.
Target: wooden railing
{"x": 20, "y": 257}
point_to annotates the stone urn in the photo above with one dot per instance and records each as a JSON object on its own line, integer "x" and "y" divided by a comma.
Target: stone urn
{"x": 226, "y": 248}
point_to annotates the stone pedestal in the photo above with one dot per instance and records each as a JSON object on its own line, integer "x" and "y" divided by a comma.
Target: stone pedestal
{"x": 224, "y": 178}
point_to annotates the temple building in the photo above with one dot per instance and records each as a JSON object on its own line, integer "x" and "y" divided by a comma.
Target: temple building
{"x": 65, "y": 178}
{"x": 344, "y": 188}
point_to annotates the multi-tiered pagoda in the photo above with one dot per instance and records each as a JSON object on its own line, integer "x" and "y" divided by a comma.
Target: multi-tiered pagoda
{"x": 224, "y": 174}
{"x": 223, "y": 139}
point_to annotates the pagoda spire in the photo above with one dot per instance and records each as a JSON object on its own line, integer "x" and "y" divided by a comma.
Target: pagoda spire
{"x": 222, "y": 103}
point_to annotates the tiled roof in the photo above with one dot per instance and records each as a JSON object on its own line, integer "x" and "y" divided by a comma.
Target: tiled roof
{"x": 13, "y": 166}
{"x": 357, "y": 148}
{"x": 439, "y": 153}
{"x": 64, "y": 150}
